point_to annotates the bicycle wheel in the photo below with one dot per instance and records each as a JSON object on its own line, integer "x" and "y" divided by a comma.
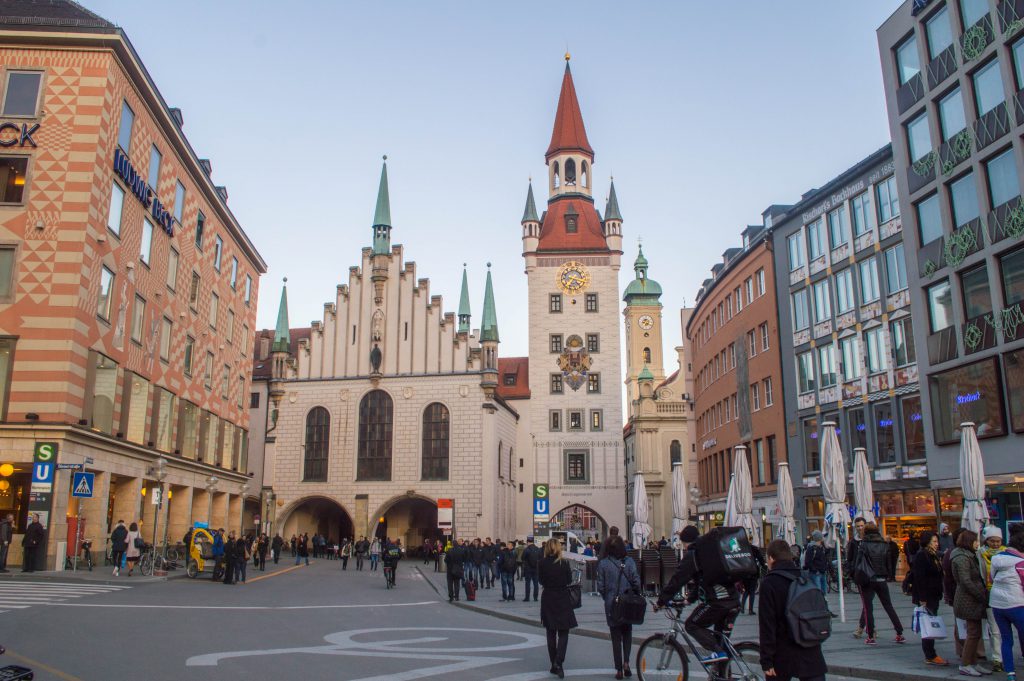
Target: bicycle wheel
{"x": 832, "y": 581}
{"x": 192, "y": 570}
{"x": 660, "y": 657}
{"x": 751, "y": 653}
{"x": 146, "y": 564}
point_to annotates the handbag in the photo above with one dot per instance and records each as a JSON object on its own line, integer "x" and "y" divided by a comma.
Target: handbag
{"x": 628, "y": 607}
{"x": 575, "y": 593}
{"x": 928, "y": 625}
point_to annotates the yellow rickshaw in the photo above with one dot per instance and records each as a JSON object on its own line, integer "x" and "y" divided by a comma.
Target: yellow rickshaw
{"x": 200, "y": 551}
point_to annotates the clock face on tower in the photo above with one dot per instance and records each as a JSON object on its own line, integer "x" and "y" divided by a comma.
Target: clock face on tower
{"x": 645, "y": 322}
{"x": 573, "y": 277}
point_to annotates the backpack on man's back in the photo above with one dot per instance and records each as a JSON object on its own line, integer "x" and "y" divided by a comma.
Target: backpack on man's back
{"x": 807, "y": 613}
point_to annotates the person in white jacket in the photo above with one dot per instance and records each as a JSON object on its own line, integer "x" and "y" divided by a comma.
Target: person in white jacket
{"x": 1006, "y": 599}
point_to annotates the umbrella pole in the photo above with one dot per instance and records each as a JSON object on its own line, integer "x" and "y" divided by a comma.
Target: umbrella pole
{"x": 839, "y": 565}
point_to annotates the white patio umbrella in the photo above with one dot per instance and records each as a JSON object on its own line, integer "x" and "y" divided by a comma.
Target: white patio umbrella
{"x": 833, "y": 489}
{"x": 787, "y": 525}
{"x": 863, "y": 494}
{"x": 972, "y": 479}
{"x": 641, "y": 513}
{"x": 679, "y": 511}
{"x": 740, "y": 512}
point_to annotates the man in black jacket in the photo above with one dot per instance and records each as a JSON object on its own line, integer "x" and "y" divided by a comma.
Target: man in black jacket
{"x": 490, "y": 553}
{"x": 718, "y": 604}
{"x": 476, "y": 558}
{"x": 869, "y": 573}
{"x": 454, "y": 562}
{"x": 34, "y": 544}
{"x": 6, "y": 535}
{"x": 781, "y": 658}
{"x": 531, "y": 561}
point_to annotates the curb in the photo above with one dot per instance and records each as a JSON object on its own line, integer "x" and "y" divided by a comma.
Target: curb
{"x": 833, "y": 669}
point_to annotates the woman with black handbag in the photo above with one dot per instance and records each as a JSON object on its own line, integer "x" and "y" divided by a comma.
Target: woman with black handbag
{"x": 618, "y": 582}
{"x": 556, "y": 608}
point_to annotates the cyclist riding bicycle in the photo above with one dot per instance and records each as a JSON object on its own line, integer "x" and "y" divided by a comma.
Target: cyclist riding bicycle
{"x": 391, "y": 554}
{"x": 718, "y": 605}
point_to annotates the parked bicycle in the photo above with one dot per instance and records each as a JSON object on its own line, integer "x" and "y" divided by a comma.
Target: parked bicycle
{"x": 832, "y": 579}
{"x": 85, "y": 560}
{"x": 666, "y": 656}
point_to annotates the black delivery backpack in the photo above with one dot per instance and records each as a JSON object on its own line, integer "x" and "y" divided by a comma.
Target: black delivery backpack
{"x": 724, "y": 556}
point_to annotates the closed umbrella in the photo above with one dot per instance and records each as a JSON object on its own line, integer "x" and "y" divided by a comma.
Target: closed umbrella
{"x": 787, "y": 525}
{"x": 740, "y": 514}
{"x": 833, "y": 489}
{"x": 641, "y": 513}
{"x": 678, "y": 499}
{"x": 863, "y": 495}
{"x": 972, "y": 479}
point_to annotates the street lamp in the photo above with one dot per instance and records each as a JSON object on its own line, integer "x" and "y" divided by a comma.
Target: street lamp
{"x": 211, "y": 484}
{"x": 159, "y": 472}
{"x": 241, "y": 509}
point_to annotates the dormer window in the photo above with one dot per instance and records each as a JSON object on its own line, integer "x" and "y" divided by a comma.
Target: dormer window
{"x": 510, "y": 379}
{"x": 570, "y": 224}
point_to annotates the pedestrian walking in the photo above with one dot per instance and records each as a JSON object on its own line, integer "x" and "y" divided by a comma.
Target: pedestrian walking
{"x": 261, "y": 552}
{"x": 869, "y": 573}
{"x": 135, "y": 546}
{"x": 476, "y": 557}
{"x": 616, "y": 575}
{"x": 33, "y": 543}
{"x": 556, "y": 612}
{"x": 945, "y": 539}
{"x": 816, "y": 560}
{"x": 275, "y": 547}
{"x": 118, "y": 545}
{"x": 520, "y": 547}
{"x": 294, "y": 544}
{"x": 345, "y": 553}
{"x": 531, "y": 562}
{"x": 926, "y": 590}
{"x": 894, "y": 558}
{"x": 374, "y": 554}
{"x": 362, "y": 548}
{"x": 6, "y": 536}
{"x": 992, "y": 545}
{"x": 970, "y": 600}
{"x": 507, "y": 572}
{"x": 230, "y": 556}
{"x": 1006, "y": 599}
{"x": 852, "y": 549}
{"x": 302, "y": 549}
{"x": 949, "y": 587}
{"x": 490, "y": 556}
{"x": 910, "y": 549}
{"x": 454, "y": 563}
{"x": 243, "y": 554}
{"x": 750, "y": 584}
{"x": 782, "y": 658}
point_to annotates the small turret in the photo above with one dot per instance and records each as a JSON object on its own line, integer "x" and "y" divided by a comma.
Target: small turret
{"x": 464, "y": 309}
{"x": 279, "y": 351}
{"x": 382, "y": 215}
{"x": 613, "y": 220}
{"x": 489, "y": 337}
{"x": 530, "y": 222}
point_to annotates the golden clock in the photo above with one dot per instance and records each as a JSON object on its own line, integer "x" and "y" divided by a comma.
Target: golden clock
{"x": 573, "y": 277}
{"x": 645, "y": 322}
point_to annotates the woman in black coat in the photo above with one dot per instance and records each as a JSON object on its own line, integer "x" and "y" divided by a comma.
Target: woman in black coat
{"x": 926, "y": 587}
{"x": 556, "y": 612}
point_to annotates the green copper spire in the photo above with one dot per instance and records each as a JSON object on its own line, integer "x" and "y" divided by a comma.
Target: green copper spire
{"x": 611, "y": 209}
{"x": 530, "y": 212}
{"x": 642, "y": 290}
{"x": 282, "y": 338}
{"x": 645, "y": 375}
{"x": 464, "y": 309}
{"x": 382, "y": 215}
{"x": 640, "y": 264}
{"x": 489, "y": 323}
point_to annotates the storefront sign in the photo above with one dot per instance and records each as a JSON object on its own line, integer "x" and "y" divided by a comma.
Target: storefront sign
{"x": 22, "y": 135}
{"x": 143, "y": 192}
{"x": 709, "y": 443}
{"x": 445, "y": 514}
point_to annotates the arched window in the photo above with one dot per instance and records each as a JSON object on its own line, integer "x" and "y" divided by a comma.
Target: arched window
{"x": 570, "y": 173}
{"x": 647, "y": 355}
{"x": 375, "y": 421}
{"x": 318, "y": 432}
{"x": 585, "y": 174}
{"x": 554, "y": 176}
{"x": 675, "y": 451}
{"x": 436, "y": 429}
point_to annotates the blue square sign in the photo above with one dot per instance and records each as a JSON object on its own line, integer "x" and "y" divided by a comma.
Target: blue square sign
{"x": 82, "y": 485}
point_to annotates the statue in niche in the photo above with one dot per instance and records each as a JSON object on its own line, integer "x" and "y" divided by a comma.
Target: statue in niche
{"x": 375, "y": 358}
{"x": 377, "y": 326}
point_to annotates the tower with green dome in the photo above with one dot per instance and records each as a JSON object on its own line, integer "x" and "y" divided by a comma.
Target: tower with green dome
{"x": 643, "y": 327}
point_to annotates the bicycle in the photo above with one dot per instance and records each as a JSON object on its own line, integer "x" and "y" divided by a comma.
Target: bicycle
{"x": 663, "y": 656}
{"x": 389, "y": 576}
{"x": 72, "y": 563}
{"x": 832, "y": 580}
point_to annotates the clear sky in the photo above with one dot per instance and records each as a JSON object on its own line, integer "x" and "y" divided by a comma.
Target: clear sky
{"x": 704, "y": 112}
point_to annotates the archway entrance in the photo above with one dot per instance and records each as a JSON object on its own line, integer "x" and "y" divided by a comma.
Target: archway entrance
{"x": 411, "y": 519}
{"x": 315, "y": 515}
{"x": 581, "y": 520}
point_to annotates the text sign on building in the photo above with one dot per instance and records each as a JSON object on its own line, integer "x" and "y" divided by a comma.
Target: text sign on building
{"x": 42, "y": 477}
{"x": 82, "y": 485}
{"x": 20, "y": 136}
{"x": 44, "y": 468}
{"x": 142, "y": 191}
{"x": 45, "y": 451}
{"x": 541, "y": 502}
{"x": 445, "y": 514}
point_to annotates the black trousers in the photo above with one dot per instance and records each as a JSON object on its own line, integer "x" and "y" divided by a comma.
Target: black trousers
{"x": 558, "y": 641}
{"x": 707, "y": 616}
{"x": 867, "y": 597}
{"x": 819, "y": 677}
{"x": 622, "y": 641}
{"x": 454, "y": 584}
{"x": 928, "y": 644}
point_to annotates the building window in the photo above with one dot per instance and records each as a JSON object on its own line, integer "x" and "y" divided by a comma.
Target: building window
{"x": 214, "y": 309}
{"x": 556, "y": 384}
{"x": 918, "y": 138}
{"x": 138, "y": 318}
{"x": 851, "y": 358}
{"x": 241, "y": 392}
{"x": 193, "y": 291}
{"x": 172, "y": 268}
{"x": 769, "y": 398}
{"x": 838, "y": 227}
{"x": 822, "y": 302}
{"x": 318, "y": 435}
{"x": 21, "y": 96}
{"x": 200, "y": 226}
{"x": 895, "y": 269}
{"x": 124, "y": 132}
{"x": 861, "y": 213}
{"x": 166, "y": 328}
{"x": 940, "y": 33}
{"x": 106, "y": 293}
{"x": 738, "y": 299}
{"x": 254, "y": 400}
{"x": 248, "y": 289}
{"x": 593, "y": 383}
{"x": 596, "y": 420}
{"x": 555, "y": 342}
{"x": 759, "y": 461}
{"x": 751, "y": 344}
{"x": 964, "y": 196}
{"x": 234, "y": 273}
{"x": 436, "y": 434}
{"x": 811, "y": 452}
{"x": 243, "y": 348}
{"x": 1012, "y": 268}
{"x": 844, "y": 291}
{"x": 576, "y": 472}
{"x": 225, "y": 382}
{"x": 796, "y": 251}
{"x": 913, "y": 427}
{"x": 759, "y": 278}
{"x": 555, "y": 420}
{"x": 1003, "y": 184}
{"x": 869, "y": 280}
{"x": 755, "y": 397}
{"x": 591, "y": 302}
{"x": 805, "y": 372}
{"x": 12, "y": 178}
{"x": 908, "y": 61}
{"x": 103, "y": 379}
{"x": 988, "y": 88}
{"x": 977, "y": 295}
{"x": 179, "y": 201}
{"x": 375, "y": 423}
{"x": 163, "y": 419}
{"x": 888, "y": 200}
{"x": 146, "y": 247}
{"x": 218, "y": 252}
{"x": 593, "y": 342}
{"x": 902, "y": 335}
{"x": 801, "y": 319}
{"x": 972, "y": 392}
{"x": 647, "y": 356}
{"x": 940, "y": 306}
{"x": 509, "y": 379}
{"x": 877, "y": 355}
{"x": 208, "y": 371}
{"x": 190, "y": 346}
{"x": 155, "y": 157}
{"x": 575, "y": 420}
{"x": 116, "y": 207}
{"x": 555, "y": 302}
{"x": 885, "y": 437}
{"x": 827, "y": 365}
{"x": 731, "y": 354}
{"x": 929, "y": 220}
{"x": 188, "y": 429}
{"x": 764, "y": 336}
{"x": 973, "y": 11}
{"x": 749, "y": 286}
{"x": 815, "y": 240}
{"x": 951, "y": 114}
{"x": 7, "y": 262}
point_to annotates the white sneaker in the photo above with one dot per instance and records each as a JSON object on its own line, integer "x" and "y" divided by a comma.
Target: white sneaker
{"x": 116, "y": 571}
{"x": 969, "y": 670}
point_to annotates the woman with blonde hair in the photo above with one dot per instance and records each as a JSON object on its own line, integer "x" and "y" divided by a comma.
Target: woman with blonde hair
{"x": 556, "y": 612}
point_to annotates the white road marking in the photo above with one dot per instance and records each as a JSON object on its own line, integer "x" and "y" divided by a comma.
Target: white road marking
{"x": 537, "y": 676}
{"x": 21, "y": 595}
{"x": 245, "y": 607}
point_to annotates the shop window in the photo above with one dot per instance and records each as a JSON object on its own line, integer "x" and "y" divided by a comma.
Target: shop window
{"x": 951, "y": 502}
{"x": 134, "y": 406}
{"x": 13, "y": 171}
{"x": 919, "y": 502}
{"x": 913, "y": 427}
{"x": 1013, "y": 363}
{"x": 891, "y": 503}
{"x": 163, "y": 419}
{"x": 967, "y": 393}
{"x": 812, "y": 457}
{"x": 884, "y": 433}
{"x": 21, "y": 96}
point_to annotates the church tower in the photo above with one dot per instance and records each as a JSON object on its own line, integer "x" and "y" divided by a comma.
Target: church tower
{"x": 643, "y": 323}
{"x": 572, "y": 261}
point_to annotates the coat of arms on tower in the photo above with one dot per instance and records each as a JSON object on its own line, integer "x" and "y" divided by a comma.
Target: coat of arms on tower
{"x": 574, "y": 362}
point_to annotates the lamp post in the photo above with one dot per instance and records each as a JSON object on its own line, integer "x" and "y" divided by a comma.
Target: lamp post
{"x": 211, "y": 485}
{"x": 159, "y": 473}
{"x": 241, "y": 509}
{"x": 167, "y": 525}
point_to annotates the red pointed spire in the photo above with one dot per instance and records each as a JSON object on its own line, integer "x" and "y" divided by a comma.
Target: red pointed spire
{"x": 569, "y": 133}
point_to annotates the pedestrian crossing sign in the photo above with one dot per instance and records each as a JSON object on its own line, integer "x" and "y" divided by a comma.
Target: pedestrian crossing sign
{"x": 82, "y": 484}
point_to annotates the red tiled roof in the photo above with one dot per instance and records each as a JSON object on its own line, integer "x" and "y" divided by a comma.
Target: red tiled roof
{"x": 569, "y": 133}
{"x": 589, "y": 234}
{"x": 520, "y": 368}
{"x": 669, "y": 379}
{"x": 261, "y": 364}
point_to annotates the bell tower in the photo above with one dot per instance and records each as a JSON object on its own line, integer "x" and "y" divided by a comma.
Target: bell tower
{"x": 643, "y": 327}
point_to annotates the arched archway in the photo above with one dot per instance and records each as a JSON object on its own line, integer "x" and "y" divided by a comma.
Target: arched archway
{"x": 584, "y": 521}
{"x": 409, "y": 517}
{"x": 316, "y": 514}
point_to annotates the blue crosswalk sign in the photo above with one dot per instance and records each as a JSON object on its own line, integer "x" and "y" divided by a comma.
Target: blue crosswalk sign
{"x": 82, "y": 484}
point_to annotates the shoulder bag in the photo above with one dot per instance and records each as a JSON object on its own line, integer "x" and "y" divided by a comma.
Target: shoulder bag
{"x": 628, "y": 607}
{"x": 575, "y": 590}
